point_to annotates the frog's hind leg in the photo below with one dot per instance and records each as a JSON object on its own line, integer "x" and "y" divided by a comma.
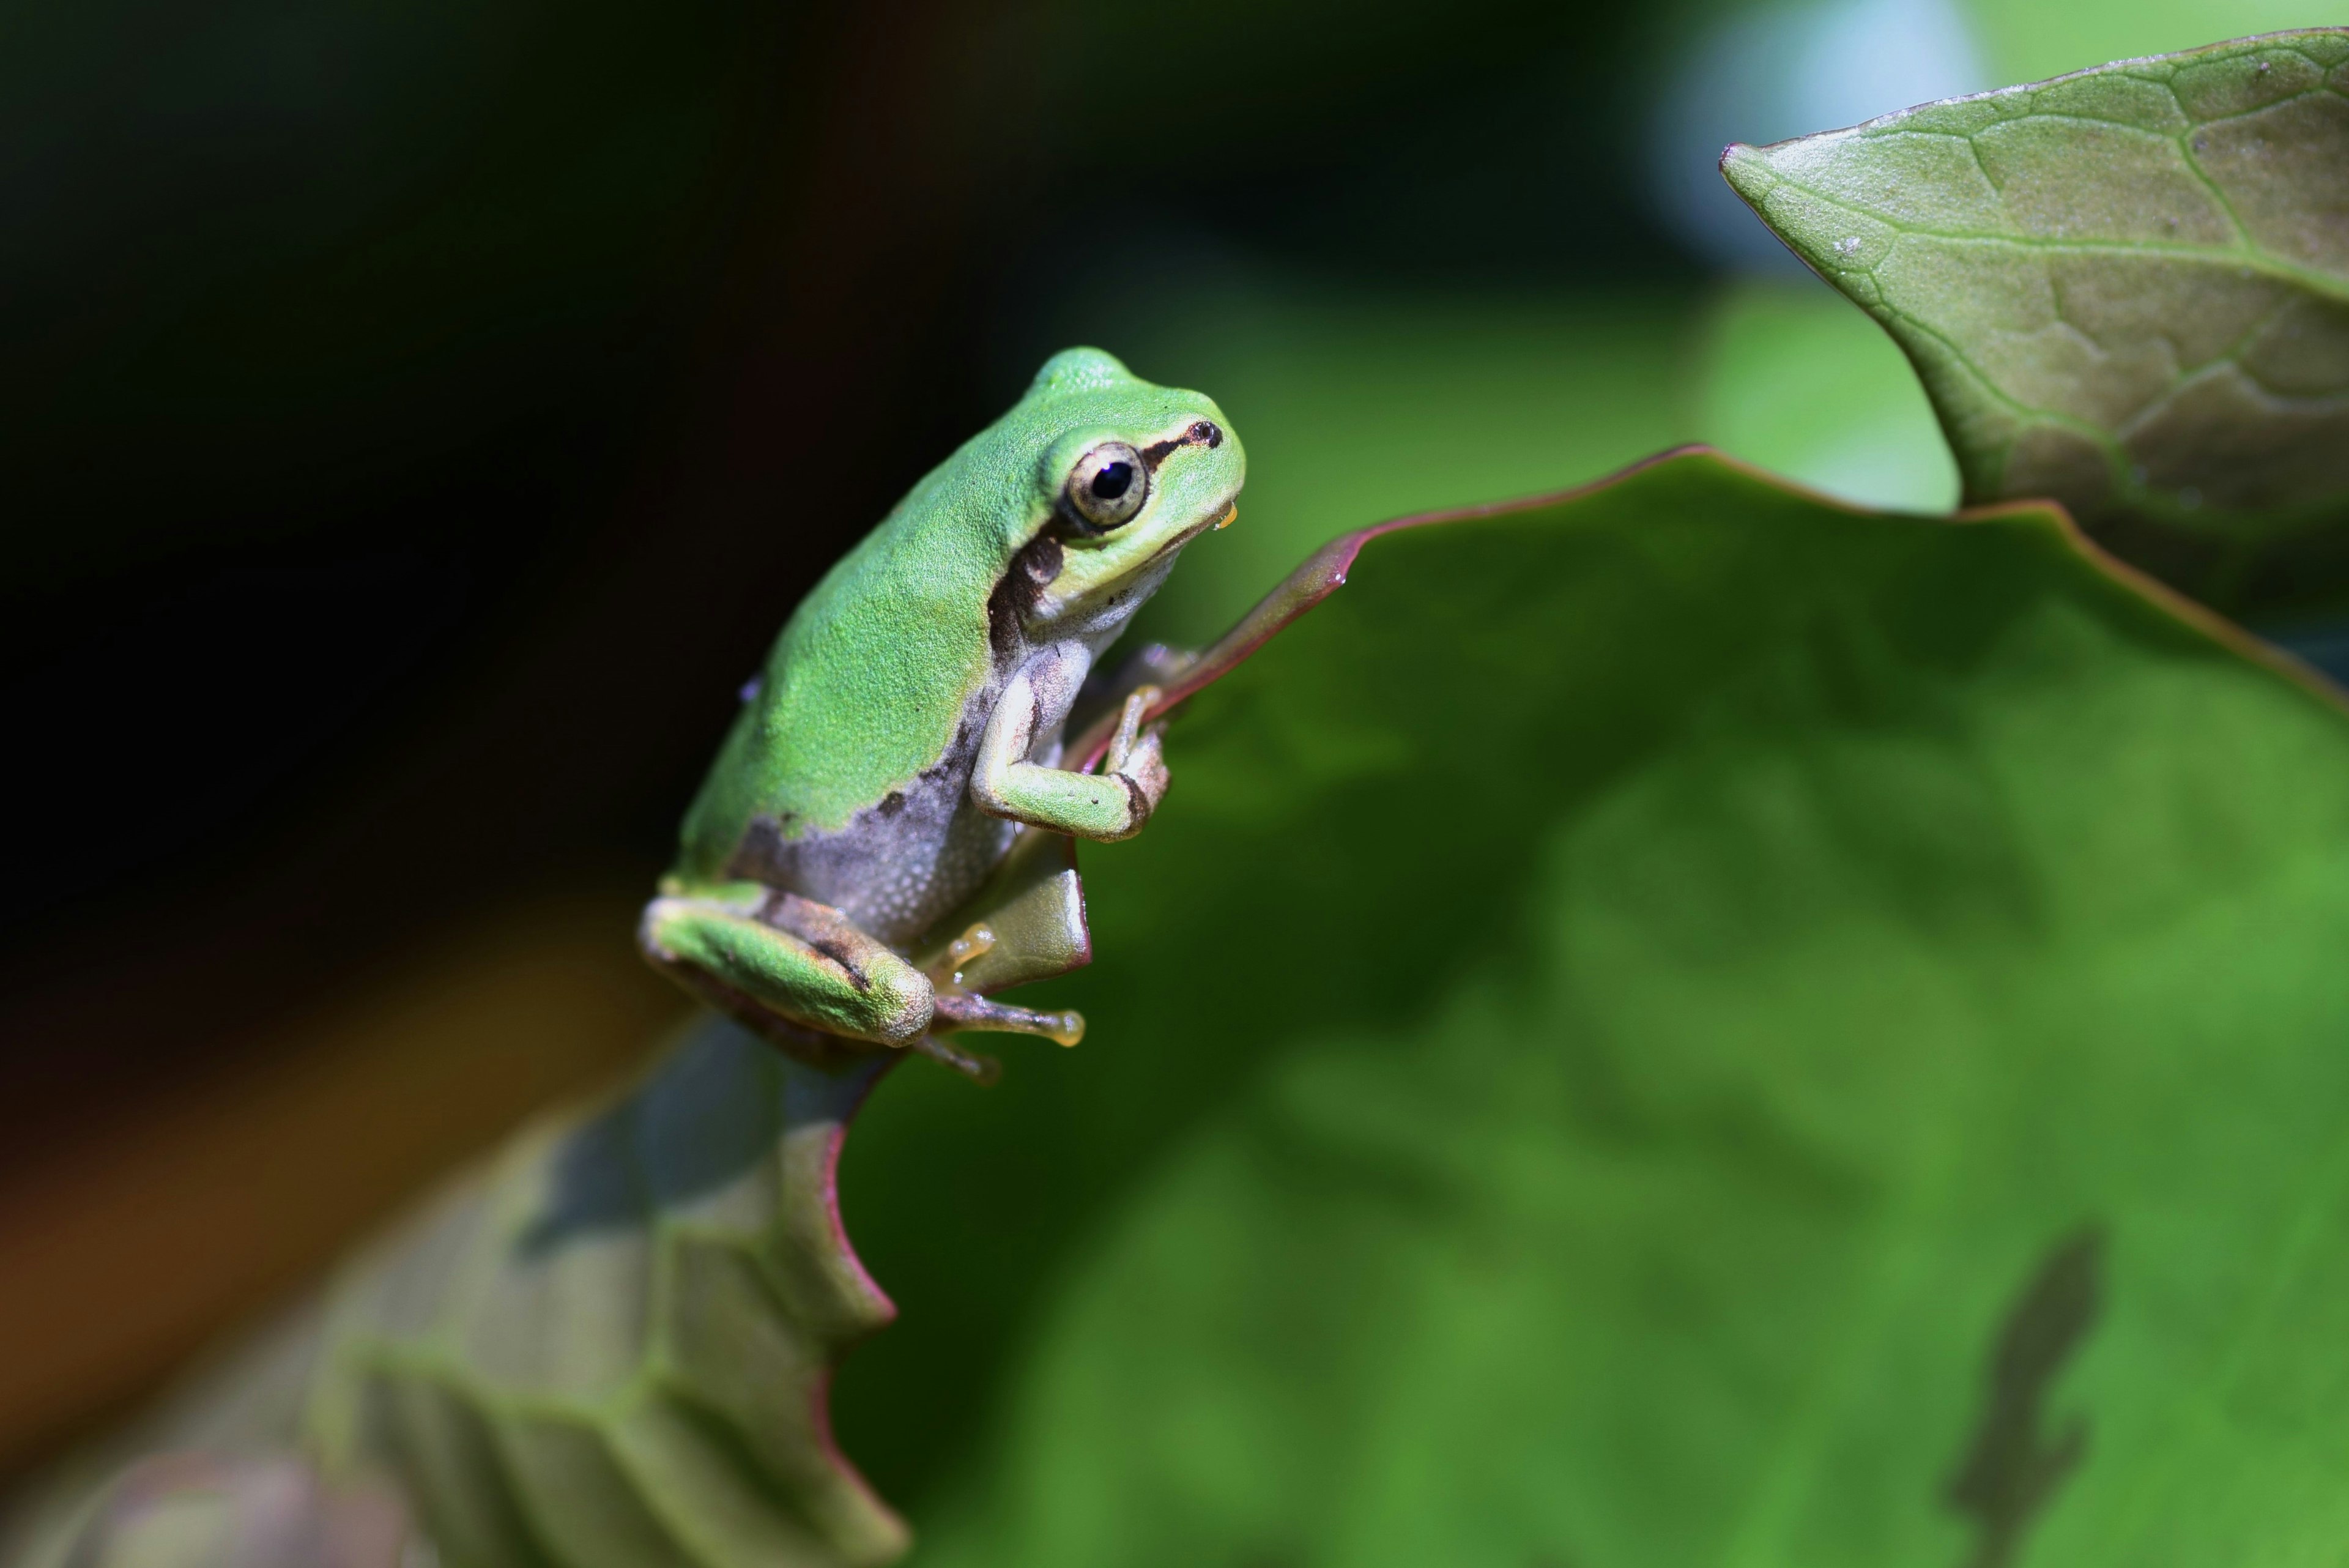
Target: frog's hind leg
{"x": 804, "y": 961}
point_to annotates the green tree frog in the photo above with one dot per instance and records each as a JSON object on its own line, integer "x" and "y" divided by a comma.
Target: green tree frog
{"x": 910, "y": 718}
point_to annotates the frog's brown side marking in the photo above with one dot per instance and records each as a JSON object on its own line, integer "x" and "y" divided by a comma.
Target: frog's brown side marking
{"x": 2015, "y": 1469}
{"x": 893, "y": 868}
{"x": 1040, "y": 560}
{"x": 1030, "y": 573}
{"x": 817, "y": 927}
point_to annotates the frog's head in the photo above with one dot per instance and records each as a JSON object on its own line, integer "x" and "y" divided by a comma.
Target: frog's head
{"x": 1126, "y": 473}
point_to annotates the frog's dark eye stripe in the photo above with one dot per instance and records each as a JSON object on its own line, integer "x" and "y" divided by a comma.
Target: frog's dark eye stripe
{"x": 1108, "y": 486}
{"x": 1202, "y": 432}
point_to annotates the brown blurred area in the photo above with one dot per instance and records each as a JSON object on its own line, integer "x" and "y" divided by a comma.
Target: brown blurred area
{"x": 134, "y": 1233}
{"x": 421, "y": 420}
{"x": 212, "y": 1079}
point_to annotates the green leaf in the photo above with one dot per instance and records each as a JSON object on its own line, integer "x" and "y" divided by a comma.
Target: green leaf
{"x": 1684, "y": 1024}
{"x": 2126, "y": 289}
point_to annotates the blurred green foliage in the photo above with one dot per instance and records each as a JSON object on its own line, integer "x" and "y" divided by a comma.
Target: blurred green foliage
{"x": 2027, "y": 41}
{"x": 1794, "y": 380}
{"x": 1631, "y": 1006}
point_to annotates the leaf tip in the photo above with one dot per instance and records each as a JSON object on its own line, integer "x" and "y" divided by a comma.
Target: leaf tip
{"x": 1746, "y": 170}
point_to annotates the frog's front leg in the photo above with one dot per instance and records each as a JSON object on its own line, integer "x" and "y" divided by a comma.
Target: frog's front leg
{"x": 1111, "y": 804}
{"x": 791, "y": 956}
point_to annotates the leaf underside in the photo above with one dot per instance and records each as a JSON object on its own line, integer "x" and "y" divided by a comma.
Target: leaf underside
{"x": 2126, "y": 289}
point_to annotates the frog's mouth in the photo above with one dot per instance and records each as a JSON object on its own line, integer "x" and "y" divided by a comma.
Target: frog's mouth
{"x": 1199, "y": 433}
{"x": 1217, "y": 519}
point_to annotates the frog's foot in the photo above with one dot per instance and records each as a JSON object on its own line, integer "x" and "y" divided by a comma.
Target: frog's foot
{"x": 1107, "y": 807}
{"x": 945, "y": 972}
{"x": 961, "y": 1010}
{"x": 956, "y": 1008}
{"x": 980, "y": 1070}
{"x": 1138, "y": 755}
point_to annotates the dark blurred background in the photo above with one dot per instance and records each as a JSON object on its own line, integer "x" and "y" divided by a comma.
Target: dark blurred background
{"x": 416, "y": 420}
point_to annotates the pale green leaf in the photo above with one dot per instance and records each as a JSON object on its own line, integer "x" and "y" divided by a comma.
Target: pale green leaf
{"x": 2126, "y": 289}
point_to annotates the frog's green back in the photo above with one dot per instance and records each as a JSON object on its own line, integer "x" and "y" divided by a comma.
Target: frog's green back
{"x": 871, "y": 678}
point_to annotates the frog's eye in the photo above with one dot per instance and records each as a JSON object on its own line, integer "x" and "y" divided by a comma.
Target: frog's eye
{"x": 1108, "y": 485}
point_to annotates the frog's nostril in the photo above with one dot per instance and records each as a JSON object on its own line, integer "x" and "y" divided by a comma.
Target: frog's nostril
{"x": 1206, "y": 434}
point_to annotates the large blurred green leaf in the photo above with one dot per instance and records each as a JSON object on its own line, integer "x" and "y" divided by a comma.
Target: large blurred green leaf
{"x": 1635, "y": 1011}
{"x": 2127, "y": 289}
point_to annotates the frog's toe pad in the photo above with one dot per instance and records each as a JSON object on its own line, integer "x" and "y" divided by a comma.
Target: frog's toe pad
{"x": 959, "y": 1009}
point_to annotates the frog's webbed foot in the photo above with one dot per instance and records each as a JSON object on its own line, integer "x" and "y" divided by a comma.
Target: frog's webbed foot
{"x": 959, "y": 1008}
{"x": 1136, "y": 755}
{"x": 1111, "y": 804}
{"x": 1027, "y": 924}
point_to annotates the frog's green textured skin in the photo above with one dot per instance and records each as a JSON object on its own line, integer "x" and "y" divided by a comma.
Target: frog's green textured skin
{"x": 870, "y": 679}
{"x": 886, "y": 664}
{"x": 612, "y": 1347}
{"x": 909, "y": 722}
